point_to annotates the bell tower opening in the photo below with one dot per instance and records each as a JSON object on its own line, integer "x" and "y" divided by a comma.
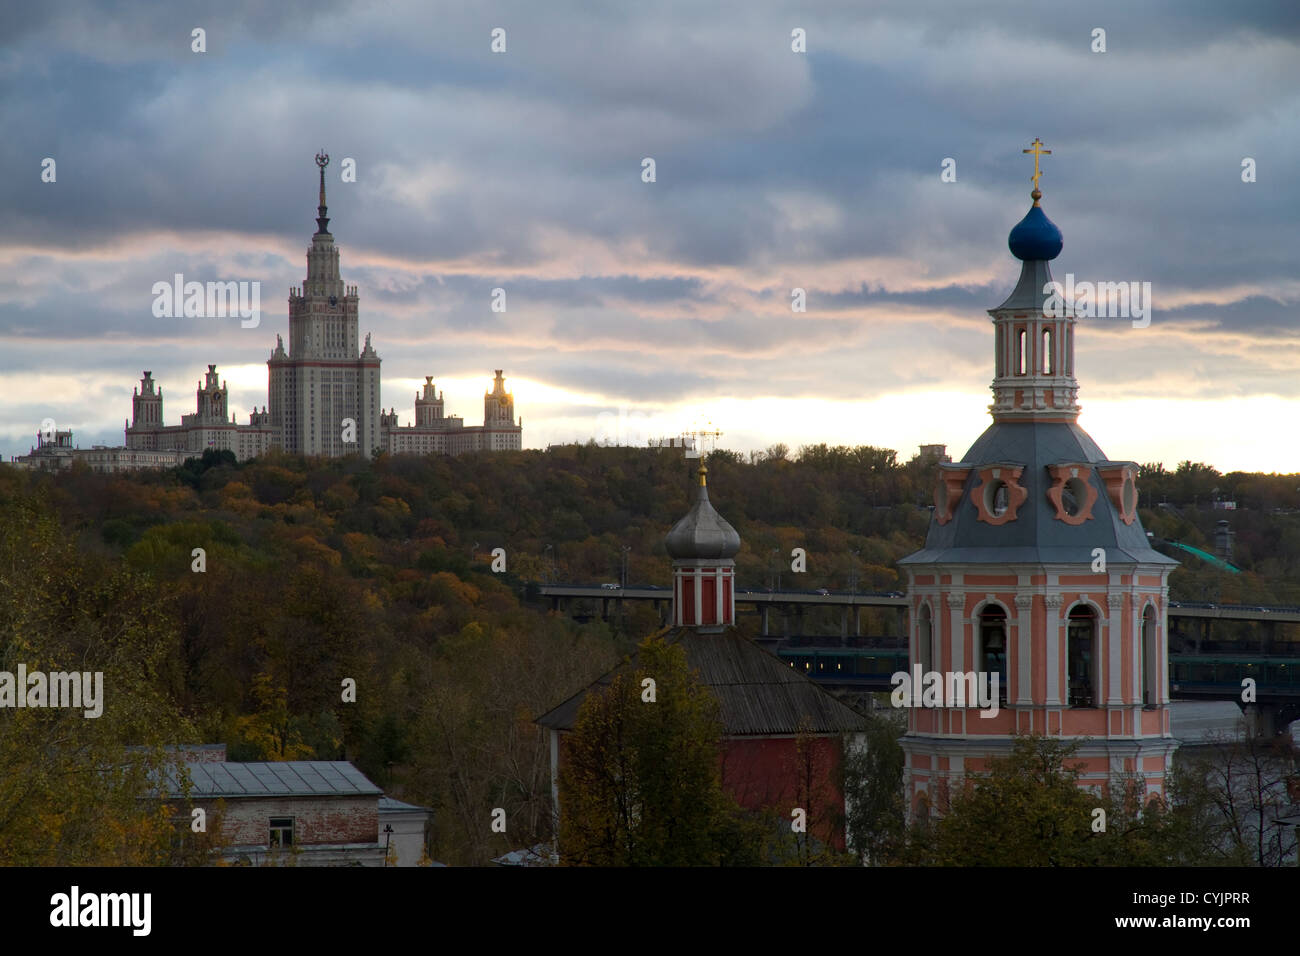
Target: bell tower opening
{"x": 991, "y": 654}
{"x": 1081, "y": 643}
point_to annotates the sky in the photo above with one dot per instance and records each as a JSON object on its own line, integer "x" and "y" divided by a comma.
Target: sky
{"x": 642, "y": 309}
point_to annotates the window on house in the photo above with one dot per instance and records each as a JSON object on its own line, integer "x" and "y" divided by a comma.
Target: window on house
{"x": 281, "y": 831}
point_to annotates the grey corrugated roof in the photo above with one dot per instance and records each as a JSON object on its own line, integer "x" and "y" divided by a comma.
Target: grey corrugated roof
{"x": 389, "y": 805}
{"x": 1036, "y": 536}
{"x": 292, "y": 778}
{"x": 757, "y": 693}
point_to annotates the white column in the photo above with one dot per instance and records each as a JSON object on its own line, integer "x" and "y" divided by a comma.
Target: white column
{"x": 1053, "y": 650}
{"x": 1024, "y": 640}
{"x": 698, "y": 577}
{"x": 679, "y": 594}
{"x": 731, "y": 580}
{"x": 717, "y": 579}
{"x": 956, "y": 632}
{"x": 1139, "y": 661}
{"x": 1114, "y": 652}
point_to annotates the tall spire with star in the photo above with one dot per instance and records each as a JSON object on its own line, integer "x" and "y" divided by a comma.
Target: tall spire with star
{"x": 322, "y": 220}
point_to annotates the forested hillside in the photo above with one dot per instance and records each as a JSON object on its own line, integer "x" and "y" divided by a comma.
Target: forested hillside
{"x": 314, "y": 572}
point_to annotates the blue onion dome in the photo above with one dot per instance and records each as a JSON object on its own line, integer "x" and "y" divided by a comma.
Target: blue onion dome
{"x": 1035, "y": 236}
{"x": 703, "y": 533}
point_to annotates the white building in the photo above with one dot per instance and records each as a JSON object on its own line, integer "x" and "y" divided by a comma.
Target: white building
{"x": 208, "y": 427}
{"x": 434, "y": 433}
{"x": 326, "y": 378}
{"x": 323, "y": 391}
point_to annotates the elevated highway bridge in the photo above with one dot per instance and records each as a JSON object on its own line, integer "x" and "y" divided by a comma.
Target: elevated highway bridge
{"x": 1200, "y": 668}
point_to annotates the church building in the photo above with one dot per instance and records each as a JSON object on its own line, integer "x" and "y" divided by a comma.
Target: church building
{"x": 1036, "y": 569}
{"x": 765, "y": 705}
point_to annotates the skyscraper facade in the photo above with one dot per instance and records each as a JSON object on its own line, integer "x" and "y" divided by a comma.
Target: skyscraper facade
{"x": 323, "y": 392}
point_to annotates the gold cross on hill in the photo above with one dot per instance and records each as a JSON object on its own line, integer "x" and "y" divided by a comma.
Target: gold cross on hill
{"x": 1037, "y": 150}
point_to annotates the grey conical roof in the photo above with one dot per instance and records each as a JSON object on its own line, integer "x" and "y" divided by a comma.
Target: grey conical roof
{"x": 703, "y": 533}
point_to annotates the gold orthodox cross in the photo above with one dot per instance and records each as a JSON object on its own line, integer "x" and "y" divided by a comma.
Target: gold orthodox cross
{"x": 1037, "y": 150}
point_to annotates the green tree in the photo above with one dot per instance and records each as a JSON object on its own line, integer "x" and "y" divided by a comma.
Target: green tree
{"x": 1029, "y": 810}
{"x": 873, "y": 785}
{"x": 78, "y": 789}
{"x": 641, "y": 780}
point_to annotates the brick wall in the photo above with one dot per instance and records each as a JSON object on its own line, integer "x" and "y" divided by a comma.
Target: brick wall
{"x": 316, "y": 819}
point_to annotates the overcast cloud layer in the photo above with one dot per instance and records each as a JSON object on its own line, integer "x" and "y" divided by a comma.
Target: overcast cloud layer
{"x": 660, "y": 305}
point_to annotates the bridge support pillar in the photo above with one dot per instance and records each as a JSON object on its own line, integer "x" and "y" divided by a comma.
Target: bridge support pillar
{"x": 604, "y": 609}
{"x": 1261, "y": 719}
{"x": 1267, "y": 631}
{"x": 857, "y": 621}
{"x": 844, "y": 624}
{"x": 762, "y": 611}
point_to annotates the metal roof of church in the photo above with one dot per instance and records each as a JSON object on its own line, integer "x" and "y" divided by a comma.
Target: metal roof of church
{"x": 702, "y": 534}
{"x": 1035, "y": 536}
{"x": 758, "y": 694}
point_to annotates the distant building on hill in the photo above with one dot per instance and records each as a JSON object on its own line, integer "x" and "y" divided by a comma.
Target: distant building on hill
{"x": 209, "y": 426}
{"x": 322, "y": 394}
{"x": 434, "y": 433}
{"x": 54, "y": 451}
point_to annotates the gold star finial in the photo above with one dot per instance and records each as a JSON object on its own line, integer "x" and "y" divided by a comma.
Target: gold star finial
{"x": 1037, "y": 150}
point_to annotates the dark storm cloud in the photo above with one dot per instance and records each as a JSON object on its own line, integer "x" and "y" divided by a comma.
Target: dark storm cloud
{"x": 523, "y": 171}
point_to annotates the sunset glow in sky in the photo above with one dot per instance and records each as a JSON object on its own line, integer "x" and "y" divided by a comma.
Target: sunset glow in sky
{"x": 639, "y": 309}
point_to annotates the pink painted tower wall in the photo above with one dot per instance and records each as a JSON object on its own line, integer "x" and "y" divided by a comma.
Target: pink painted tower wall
{"x": 1036, "y": 568}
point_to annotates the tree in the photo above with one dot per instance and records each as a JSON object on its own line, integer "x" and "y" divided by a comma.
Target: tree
{"x": 1244, "y": 778}
{"x": 1029, "y": 810}
{"x": 79, "y": 787}
{"x": 813, "y": 766}
{"x": 641, "y": 777}
{"x": 873, "y": 787}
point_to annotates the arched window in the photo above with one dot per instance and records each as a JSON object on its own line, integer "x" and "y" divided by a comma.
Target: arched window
{"x": 1022, "y": 348}
{"x": 991, "y": 654}
{"x": 925, "y": 640}
{"x": 1150, "y": 663}
{"x": 1049, "y": 360}
{"x": 1080, "y": 656}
